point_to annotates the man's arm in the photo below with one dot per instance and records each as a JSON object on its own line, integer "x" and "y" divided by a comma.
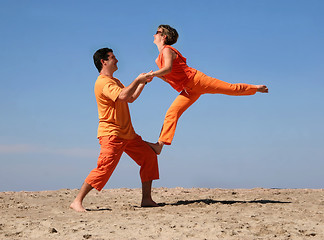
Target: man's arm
{"x": 137, "y": 92}
{"x": 131, "y": 92}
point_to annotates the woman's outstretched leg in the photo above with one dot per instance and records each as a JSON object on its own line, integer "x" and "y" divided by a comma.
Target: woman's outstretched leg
{"x": 205, "y": 84}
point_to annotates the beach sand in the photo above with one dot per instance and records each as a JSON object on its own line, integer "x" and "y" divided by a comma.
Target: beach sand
{"x": 195, "y": 213}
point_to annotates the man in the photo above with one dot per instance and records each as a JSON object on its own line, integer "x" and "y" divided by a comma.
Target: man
{"x": 115, "y": 131}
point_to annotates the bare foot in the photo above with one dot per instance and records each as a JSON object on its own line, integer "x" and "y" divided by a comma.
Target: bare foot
{"x": 157, "y": 147}
{"x": 148, "y": 203}
{"x": 77, "y": 207}
{"x": 262, "y": 88}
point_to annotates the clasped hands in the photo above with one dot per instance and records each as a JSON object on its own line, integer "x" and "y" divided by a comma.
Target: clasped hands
{"x": 146, "y": 77}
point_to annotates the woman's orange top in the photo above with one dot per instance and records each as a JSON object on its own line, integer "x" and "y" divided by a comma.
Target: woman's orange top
{"x": 181, "y": 74}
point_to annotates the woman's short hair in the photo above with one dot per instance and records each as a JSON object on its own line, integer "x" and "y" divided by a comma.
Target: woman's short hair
{"x": 170, "y": 33}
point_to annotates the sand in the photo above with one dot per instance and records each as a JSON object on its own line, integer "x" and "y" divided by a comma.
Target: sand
{"x": 195, "y": 213}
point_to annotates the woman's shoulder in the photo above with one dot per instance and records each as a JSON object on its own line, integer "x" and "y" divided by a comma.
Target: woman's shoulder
{"x": 170, "y": 50}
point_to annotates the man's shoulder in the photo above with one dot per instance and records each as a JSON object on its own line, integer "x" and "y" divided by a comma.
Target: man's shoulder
{"x": 103, "y": 80}
{"x": 108, "y": 86}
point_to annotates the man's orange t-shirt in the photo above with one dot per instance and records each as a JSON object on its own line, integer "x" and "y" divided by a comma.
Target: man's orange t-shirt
{"x": 114, "y": 116}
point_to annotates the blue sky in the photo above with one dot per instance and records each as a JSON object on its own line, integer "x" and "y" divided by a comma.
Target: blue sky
{"x": 49, "y": 118}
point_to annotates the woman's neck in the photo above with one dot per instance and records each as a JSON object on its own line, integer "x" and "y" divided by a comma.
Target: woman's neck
{"x": 160, "y": 46}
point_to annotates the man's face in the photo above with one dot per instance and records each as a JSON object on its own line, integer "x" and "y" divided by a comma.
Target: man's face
{"x": 112, "y": 61}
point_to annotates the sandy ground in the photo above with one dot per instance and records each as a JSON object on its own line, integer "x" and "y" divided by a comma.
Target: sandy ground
{"x": 195, "y": 213}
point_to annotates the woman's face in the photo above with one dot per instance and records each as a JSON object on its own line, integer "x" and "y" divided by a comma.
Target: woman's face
{"x": 158, "y": 38}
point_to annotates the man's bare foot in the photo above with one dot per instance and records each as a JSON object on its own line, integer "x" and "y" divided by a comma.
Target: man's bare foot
{"x": 148, "y": 203}
{"x": 157, "y": 147}
{"x": 262, "y": 88}
{"x": 77, "y": 207}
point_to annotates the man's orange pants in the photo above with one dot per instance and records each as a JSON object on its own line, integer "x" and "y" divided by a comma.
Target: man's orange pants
{"x": 112, "y": 147}
{"x": 201, "y": 84}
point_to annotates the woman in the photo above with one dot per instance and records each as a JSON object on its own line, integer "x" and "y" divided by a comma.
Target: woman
{"x": 190, "y": 82}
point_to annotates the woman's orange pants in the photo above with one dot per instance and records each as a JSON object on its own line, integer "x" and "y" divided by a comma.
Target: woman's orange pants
{"x": 112, "y": 147}
{"x": 201, "y": 84}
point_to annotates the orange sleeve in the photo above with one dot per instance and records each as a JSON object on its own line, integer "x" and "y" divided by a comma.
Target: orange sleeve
{"x": 111, "y": 90}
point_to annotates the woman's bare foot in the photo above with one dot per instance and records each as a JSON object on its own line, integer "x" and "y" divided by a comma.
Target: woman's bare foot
{"x": 157, "y": 147}
{"x": 262, "y": 88}
{"x": 77, "y": 206}
{"x": 148, "y": 203}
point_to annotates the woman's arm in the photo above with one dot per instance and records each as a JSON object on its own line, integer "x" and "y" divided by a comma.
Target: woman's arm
{"x": 168, "y": 57}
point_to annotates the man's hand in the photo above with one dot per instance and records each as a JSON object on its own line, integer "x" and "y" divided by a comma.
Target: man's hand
{"x": 145, "y": 77}
{"x": 149, "y": 76}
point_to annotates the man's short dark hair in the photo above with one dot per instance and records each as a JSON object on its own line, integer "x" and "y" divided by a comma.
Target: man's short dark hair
{"x": 102, "y": 53}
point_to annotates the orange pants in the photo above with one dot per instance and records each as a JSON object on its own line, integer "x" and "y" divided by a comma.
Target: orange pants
{"x": 112, "y": 147}
{"x": 201, "y": 84}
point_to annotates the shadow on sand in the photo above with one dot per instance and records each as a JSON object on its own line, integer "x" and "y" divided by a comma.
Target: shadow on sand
{"x": 98, "y": 209}
{"x": 205, "y": 201}
{"x": 211, "y": 201}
